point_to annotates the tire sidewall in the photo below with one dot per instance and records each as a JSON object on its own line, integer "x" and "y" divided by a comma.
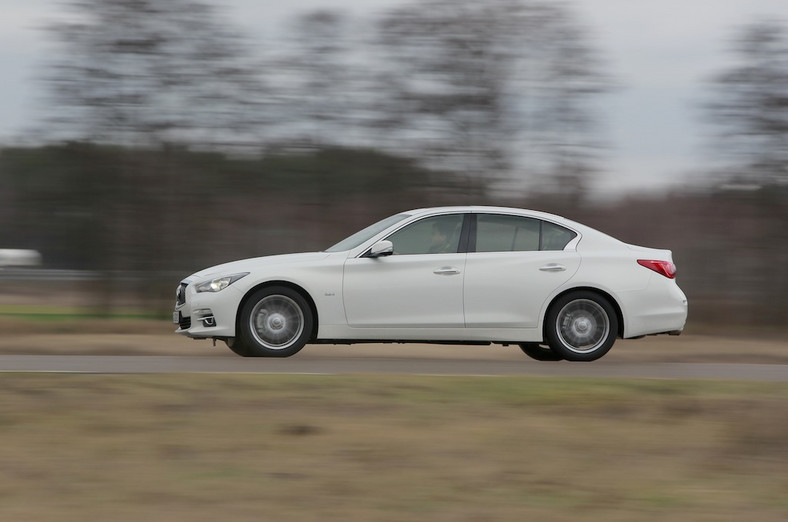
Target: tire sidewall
{"x": 248, "y": 340}
{"x": 237, "y": 346}
{"x": 539, "y": 353}
{"x": 553, "y": 338}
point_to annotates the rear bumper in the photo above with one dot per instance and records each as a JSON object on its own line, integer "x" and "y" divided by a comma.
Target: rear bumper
{"x": 661, "y": 308}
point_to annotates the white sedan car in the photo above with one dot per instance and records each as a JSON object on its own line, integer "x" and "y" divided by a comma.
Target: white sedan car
{"x": 453, "y": 275}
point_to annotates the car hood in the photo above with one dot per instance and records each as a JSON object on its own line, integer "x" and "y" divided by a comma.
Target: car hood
{"x": 254, "y": 264}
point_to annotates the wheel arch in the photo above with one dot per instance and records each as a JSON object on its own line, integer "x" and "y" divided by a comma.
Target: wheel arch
{"x": 287, "y": 284}
{"x": 605, "y": 295}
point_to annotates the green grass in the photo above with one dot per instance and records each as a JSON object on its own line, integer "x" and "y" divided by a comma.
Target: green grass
{"x": 389, "y": 448}
{"x": 45, "y": 314}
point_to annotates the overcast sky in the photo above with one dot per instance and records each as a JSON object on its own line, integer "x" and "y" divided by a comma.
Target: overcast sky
{"x": 661, "y": 54}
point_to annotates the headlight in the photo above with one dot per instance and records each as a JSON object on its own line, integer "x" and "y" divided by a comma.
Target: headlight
{"x": 220, "y": 283}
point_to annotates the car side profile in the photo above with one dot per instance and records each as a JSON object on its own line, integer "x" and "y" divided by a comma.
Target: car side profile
{"x": 450, "y": 275}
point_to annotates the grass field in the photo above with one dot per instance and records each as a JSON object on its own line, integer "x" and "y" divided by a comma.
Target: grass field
{"x": 51, "y": 316}
{"x": 373, "y": 448}
{"x": 129, "y": 336}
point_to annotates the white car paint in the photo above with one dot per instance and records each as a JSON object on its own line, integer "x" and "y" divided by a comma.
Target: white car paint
{"x": 502, "y": 296}
{"x": 413, "y": 293}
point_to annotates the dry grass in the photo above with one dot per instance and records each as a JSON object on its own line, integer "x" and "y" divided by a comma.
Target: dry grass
{"x": 141, "y": 337}
{"x": 284, "y": 448}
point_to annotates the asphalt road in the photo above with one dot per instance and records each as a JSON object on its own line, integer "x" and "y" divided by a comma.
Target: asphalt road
{"x": 326, "y": 364}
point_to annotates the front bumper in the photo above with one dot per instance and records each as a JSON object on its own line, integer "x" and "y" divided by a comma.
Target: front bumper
{"x": 206, "y": 315}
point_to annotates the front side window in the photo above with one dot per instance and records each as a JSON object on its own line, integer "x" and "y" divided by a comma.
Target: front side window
{"x": 368, "y": 233}
{"x": 502, "y": 233}
{"x": 433, "y": 235}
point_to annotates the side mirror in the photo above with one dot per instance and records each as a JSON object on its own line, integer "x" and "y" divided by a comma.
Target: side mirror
{"x": 381, "y": 249}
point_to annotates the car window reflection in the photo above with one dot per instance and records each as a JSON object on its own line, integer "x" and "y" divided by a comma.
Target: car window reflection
{"x": 434, "y": 235}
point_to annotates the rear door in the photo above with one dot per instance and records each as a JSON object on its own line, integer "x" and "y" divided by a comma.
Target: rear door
{"x": 514, "y": 265}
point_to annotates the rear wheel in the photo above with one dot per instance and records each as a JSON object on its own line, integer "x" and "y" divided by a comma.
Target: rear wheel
{"x": 581, "y": 326}
{"x": 275, "y": 322}
{"x": 539, "y": 352}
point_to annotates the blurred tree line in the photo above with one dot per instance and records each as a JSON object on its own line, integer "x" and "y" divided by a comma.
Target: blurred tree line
{"x": 174, "y": 146}
{"x": 107, "y": 208}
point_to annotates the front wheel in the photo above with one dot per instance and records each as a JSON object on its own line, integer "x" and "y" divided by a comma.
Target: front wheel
{"x": 539, "y": 352}
{"x": 581, "y": 326}
{"x": 275, "y": 322}
{"x": 234, "y": 344}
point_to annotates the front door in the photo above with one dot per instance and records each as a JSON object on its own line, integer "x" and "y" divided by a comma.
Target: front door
{"x": 419, "y": 286}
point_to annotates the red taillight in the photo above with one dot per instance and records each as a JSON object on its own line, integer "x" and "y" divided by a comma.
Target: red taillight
{"x": 665, "y": 268}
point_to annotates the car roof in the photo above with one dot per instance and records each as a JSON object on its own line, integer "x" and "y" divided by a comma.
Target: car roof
{"x": 584, "y": 230}
{"x": 490, "y": 209}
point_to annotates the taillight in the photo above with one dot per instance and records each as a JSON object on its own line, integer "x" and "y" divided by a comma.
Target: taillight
{"x": 665, "y": 268}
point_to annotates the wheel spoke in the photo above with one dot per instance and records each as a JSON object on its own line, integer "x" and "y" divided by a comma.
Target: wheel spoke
{"x": 582, "y": 325}
{"x": 276, "y": 322}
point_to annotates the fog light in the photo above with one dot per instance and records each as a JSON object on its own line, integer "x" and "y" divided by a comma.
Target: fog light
{"x": 206, "y": 316}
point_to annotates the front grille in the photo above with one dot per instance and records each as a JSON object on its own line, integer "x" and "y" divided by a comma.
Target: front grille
{"x": 185, "y": 323}
{"x": 180, "y": 295}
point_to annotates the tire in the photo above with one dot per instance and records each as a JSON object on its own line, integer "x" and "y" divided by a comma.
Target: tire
{"x": 581, "y": 326}
{"x": 539, "y": 352}
{"x": 237, "y": 347}
{"x": 275, "y": 322}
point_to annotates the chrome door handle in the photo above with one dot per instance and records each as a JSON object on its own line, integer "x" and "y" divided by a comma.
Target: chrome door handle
{"x": 447, "y": 270}
{"x": 552, "y": 267}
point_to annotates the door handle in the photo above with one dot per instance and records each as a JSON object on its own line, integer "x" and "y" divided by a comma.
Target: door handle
{"x": 552, "y": 267}
{"x": 447, "y": 270}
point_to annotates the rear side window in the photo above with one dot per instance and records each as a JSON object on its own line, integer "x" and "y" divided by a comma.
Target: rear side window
{"x": 498, "y": 233}
{"x": 502, "y": 233}
{"x": 555, "y": 237}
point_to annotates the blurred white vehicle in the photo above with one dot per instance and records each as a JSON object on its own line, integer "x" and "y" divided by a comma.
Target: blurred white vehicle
{"x": 454, "y": 275}
{"x": 19, "y": 257}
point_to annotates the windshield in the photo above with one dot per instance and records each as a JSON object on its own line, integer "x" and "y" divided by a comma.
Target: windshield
{"x": 363, "y": 235}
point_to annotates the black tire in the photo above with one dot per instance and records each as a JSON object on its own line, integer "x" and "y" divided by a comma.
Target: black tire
{"x": 581, "y": 326}
{"x": 237, "y": 347}
{"x": 539, "y": 352}
{"x": 275, "y": 322}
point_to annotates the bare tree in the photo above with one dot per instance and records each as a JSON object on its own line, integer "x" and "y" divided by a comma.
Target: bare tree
{"x": 323, "y": 88}
{"x": 311, "y": 84}
{"x": 492, "y": 88}
{"x": 750, "y": 104}
{"x": 149, "y": 76}
{"x": 141, "y": 72}
{"x": 749, "y": 108}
